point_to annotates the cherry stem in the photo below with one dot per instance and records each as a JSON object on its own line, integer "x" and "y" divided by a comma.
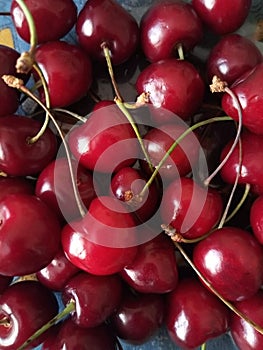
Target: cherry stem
{"x": 18, "y": 84}
{"x": 72, "y": 114}
{"x": 214, "y": 291}
{"x": 203, "y": 346}
{"x": 106, "y": 52}
{"x": 176, "y": 143}
{"x": 5, "y": 321}
{"x": 220, "y": 86}
{"x": 177, "y": 237}
{"x": 223, "y": 219}
{"x": 70, "y": 307}
{"x": 180, "y": 51}
{"x": 241, "y": 202}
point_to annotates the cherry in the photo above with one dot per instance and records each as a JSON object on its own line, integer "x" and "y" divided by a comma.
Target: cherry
{"x": 138, "y": 317}
{"x": 194, "y": 315}
{"x": 95, "y": 27}
{"x": 13, "y": 185}
{"x": 20, "y": 157}
{"x": 54, "y": 187}
{"x": 256, "y": 218}
{"x": 5, "y": 281}
{"x": 189, "y": 208}
{"x": 223, "y": 258}
{"x": 53, "y": 19}
{"x": 57, "y": 273}
{"x": 174, "y": 85}
{"x": 106, "y": 142}
{"x": 25, "y": 307}
{"x": 245, "y": 336}
{"x": 246, "y": 88}
{"x": 231, "y": 57}
{"x": 154, "y": 269}
{"x": 71, "y": 85}
{"x": 166, "y": 25}
{"x": 222, "y": 16}
{"x": 95, "y": 297}
{"x": 104, "y": 241}
{"x": 26, "y": 225}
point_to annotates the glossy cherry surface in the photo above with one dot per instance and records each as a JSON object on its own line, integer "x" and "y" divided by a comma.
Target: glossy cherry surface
{"x": 174, "y": 85}
{"x": 165, "y": 25}
{"x": 95, "y": 27}
{"x": 19, "y": 157}
{"x": 223, "y": 258}
{"x": 222, "y": 16}
{"x": 53, "y": 18}
{"x": 194, "y": 315}
{"x": 256, "y": 218}
{"x": 67, "y": 69}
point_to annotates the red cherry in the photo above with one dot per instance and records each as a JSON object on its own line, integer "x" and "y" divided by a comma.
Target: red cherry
{"x": 26, "y": 225}
{"x": 231, "y": 259}
{"x": 174, "y": 85}
{"x": 190, "y": 209}
{"x": 13, "y": 185}
{"x": 194, "y": 315}
{"x": 67, "y": 70}
{"x": 19, "y": 157}
{"x": 246, "y": 88}
{"x": 167, "y": 24}
{"x": 95, "y": 27}
{"x": 256, "y": 218}
{"x": 5, "y": 281}
{"x": 222, "y": 16}
{"x": 53, "y": 18}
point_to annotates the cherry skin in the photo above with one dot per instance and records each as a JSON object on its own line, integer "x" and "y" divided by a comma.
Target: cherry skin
{"x": 57, "y": 273}
{"x": 154, "y": 269}
{"x": 231, "y": 260}
{"x": 26, "y": 225}
{"x": 138, "y": 317}
{"x": 19, "y": 157}
{"x": 194, "y": 315}
{"x": 231, "y": 57}
{"x": 189, "y": 208}
{"x": 39, "y": 305}
{"x": 246, "y": 88}
{"x": 13, "y": 185}
{"x": 95, "y": 27}
{"x": 167, "y": 24}
{"x": 5, "y": 281}
{"x": 67, "y": 70}
{"x": 256, "y": 218}
{"x": 96, "y": 297}
{"x": 245, "y": 336}
{"x": 173, "y": 85}
{"x": 54, "y": 187}
{"x": 94, "y": 244}
{"x": 53, "y": 18}
{"x": 218, "y": 15}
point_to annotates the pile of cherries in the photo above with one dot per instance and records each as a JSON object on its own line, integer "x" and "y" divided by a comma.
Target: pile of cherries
{"x": 138, "y": 214}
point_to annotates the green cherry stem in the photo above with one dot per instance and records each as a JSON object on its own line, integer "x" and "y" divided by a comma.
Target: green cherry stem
{"x": 72, "y": 114}
{"x": 203, "y": 346}
{"x": 180, "y": 51}
{"x": 70, "y": 307}
{"x": 214, "y": 291}
{"x": 241, "y": 202}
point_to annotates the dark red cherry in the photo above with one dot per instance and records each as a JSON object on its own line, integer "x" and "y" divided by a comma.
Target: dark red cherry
{"x": 174, "y": 85}
{"x": 167, "y": 24}
{"x": 26, "y": 226}
{"x": 57, "y": 273}
{"x": 256, "y": 218}
{"x": 189, "y": 208}
{"x": 138, "y": 317}
{"x": 25, "y": 306}
{"x": 154, "y": 269}
{"x": 54, "y": 187}
{"x": 5, "y": 281}
{"x": 222, "y": 16}
{"x": 246, "y": 88}
{"x": 231, "y": 260}
{"x": 104, "y": 241}
{"x": 19, "y": 157}
{"x": 53, "y": 18}
{"x": 251, "y": 169}
{"x": 67, "y": 70}
{"x": 95, "y": 27}
{"x": 13, "y": 185}
{"x": 244, "y": 335}
{"x": 106, "y": 142}
{"x": 194, "y": 315}
{"x": 231, "y": 57}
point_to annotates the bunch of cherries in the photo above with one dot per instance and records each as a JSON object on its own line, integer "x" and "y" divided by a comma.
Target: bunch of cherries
{"x": 138, "y": 214}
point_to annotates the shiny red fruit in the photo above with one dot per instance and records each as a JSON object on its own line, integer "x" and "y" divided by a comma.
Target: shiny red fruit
{"x": 13, "y": 185}
{"x": 256, "y": 218}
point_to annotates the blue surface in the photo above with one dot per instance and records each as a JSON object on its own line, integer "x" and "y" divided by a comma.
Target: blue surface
{"x": 161, "y": 340}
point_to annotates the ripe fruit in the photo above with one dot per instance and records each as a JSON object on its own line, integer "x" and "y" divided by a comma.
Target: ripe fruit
{"x": 256, "y": 218}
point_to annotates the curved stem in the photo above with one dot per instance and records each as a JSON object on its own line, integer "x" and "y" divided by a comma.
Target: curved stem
{"x": 72, "y": 114}
{"x": 203, "y": 346}
{"x": 241, "y": 202}
{"x": 31, "y": 25}
{"x": 70, "y": 307}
